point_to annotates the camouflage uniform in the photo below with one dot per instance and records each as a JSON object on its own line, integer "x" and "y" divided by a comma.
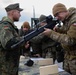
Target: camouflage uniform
{"x": 25, "y": 51}
{"x": 68, "y": 40}
{"x": 9, "y": 58}
{"x": 45, "y": 45}
{"x": 36, "y": 45}
{"x": 48, "y": 48}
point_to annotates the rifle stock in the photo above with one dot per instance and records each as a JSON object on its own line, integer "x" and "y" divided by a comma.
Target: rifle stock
{"x": 50, "y": 24}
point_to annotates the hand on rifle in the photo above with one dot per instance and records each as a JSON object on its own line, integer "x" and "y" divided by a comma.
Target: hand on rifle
{"x": 47, "y": 31}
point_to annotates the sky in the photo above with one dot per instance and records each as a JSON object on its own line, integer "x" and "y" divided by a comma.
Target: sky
{"x": 39, "y": 7}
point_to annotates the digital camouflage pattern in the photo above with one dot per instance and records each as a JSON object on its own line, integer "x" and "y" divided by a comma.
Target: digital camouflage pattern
{"x": 68, "y": 40}
{"x": 9, "y": 58}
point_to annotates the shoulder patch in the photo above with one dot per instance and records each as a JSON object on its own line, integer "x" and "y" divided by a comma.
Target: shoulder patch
{"x": 5, "y": 27}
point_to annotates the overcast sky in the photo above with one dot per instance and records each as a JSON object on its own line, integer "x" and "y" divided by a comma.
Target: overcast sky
{"x": 40, "y": 6}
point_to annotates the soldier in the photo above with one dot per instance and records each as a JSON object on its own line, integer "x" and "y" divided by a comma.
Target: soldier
{"x": 9, "y": 57}
{"x": 36, "y": 43}
{"x": 66, "y": 35}
{"x": 25, "y": 29}
{"x": 47, "y": 45}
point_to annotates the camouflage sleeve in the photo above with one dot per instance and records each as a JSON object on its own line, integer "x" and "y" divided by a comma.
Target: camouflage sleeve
{"x": 70, "y": 37}
{"x": 72, "y": 20}
{"x": 67, "y": 39}
{"x": 6, "y": 35}
{"x": 37, "y": 39}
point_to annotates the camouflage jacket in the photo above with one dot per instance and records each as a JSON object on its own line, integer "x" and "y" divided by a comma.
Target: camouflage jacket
{"x": 42, "y": 42}
{"x": 68, "y": 35}
{"x": 9, "y": 58}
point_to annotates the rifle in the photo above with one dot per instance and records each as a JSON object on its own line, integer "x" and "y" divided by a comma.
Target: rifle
{"x": 51, "y": 22}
